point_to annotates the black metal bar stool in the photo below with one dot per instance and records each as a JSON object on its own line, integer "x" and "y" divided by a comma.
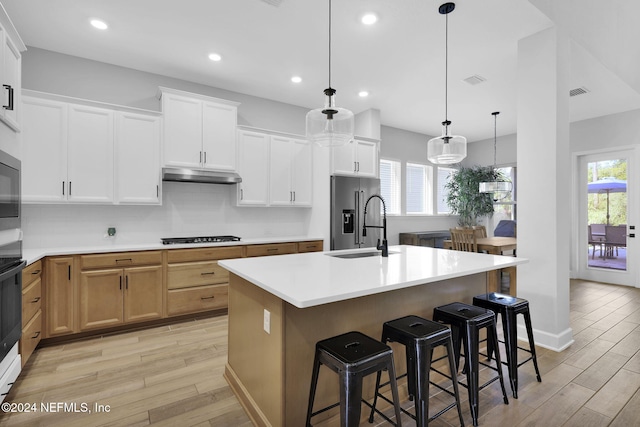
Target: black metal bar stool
{"x": 352, "y": 356}
{"x": 420, "y": 337}
{"x": 509, "y": 307}
{"x": 466, "y": 322}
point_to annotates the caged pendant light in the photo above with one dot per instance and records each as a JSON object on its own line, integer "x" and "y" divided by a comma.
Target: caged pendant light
{"x": 446, "y": 149}
{"x": 498, "y": 188}
{"x": 330, "y": 126}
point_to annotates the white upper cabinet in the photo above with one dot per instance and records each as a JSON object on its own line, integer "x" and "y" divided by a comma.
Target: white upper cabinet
{"x": 253, "y": 167}
{"x": 199, "y": 131}
{"x": 359, "y": 157}
{"x": 291, "y": 165}
{"x": 44, "y": 150}
{"x": 137, "y": 158}
{"x": 10, "y": 72}
{"x": 90, "y": 154}
{"x": 68, "y": 152}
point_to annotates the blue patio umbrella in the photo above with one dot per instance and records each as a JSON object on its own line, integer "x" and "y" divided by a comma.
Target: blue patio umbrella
{"x": 606, "y": 186}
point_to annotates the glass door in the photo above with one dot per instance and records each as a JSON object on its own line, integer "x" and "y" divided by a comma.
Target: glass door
{"x": 607, "y": 218}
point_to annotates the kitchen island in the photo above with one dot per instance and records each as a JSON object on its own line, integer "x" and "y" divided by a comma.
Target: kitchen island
{"x": 279, "y": 307}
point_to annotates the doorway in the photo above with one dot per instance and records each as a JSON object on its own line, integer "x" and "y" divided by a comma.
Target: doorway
{"x": 607, "y": 217}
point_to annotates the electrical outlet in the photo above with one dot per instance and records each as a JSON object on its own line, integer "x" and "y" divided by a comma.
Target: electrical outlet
{"x": 266, "y": 324}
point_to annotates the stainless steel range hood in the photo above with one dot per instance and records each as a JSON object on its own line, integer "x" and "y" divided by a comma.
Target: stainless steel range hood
{"x": 200, "y": 175}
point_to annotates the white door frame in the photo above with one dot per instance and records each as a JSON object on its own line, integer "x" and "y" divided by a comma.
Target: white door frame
{"x": 580, "y": 257}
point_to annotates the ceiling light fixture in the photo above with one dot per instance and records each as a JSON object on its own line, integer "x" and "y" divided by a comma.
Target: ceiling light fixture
{"x": 369, "y": 19}
{"x": 215, "y": 57}
{"x": 296, "y": 79}
{"x": 363, "y": 94}
{"x": 498, "y": 187}
{"x": 101, "y": 25}
{"x": 331, "y": 125}
{"x": 446, "y": 149}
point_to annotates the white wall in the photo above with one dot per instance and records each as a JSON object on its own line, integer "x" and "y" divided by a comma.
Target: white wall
{"x": 187, "y": 209}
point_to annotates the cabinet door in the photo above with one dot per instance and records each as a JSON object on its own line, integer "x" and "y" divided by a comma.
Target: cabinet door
{"x": 44, "y": 150}
{"x": 367, "y": 158}
{"x": 11, "y": 77}
{"x": 253, "y": 167}
{"x": 280, "y": 173}
{"x": 302, "y": 172}
{"x": 90, "y": 154}
{"x": 101, "y": 295}
{"x": 343, "y": 161}
{"x": 182, "y": 131}
{"x": 60, "y": 296}
{"x": 137, "y": 159}
{"x": 219, "y": 136}
{"x": 142, "y": 293}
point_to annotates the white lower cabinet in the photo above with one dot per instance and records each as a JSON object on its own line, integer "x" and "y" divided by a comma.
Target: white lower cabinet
{"x": 68, "y": 153}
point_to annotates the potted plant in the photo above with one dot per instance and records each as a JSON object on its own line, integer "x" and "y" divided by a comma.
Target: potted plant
{"x": 463, "y": 197}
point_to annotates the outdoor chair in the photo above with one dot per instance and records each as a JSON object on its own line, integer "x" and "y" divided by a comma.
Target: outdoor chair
{"x": 615, "y": 237}
{"x": 596, "y": 242}
{"x": 505, "y": 228}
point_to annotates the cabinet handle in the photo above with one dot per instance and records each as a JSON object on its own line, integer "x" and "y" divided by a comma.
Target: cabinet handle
{"x": 205, "y": 157}
{"x": 272, "y": 250}
{"x": 201, "y": 157}
{"x": 358, "y": 166}
{"x": 35, "y": 300}
{"x": 36, "y": 335}
{"x": 36, "y": 272}
{"x": 355, "y": 168}
{"x": 241, "y": 194}
{"x": 210, "y": 273}
{"x": 69, "y": 273}
{"x": 211, "y": 297}
{"x": 157, "y": 191}
{"x": 69, "y": 187}
{"x": 63, "y": 188}
{"x": 10, "y": 106}
{"x": 120, "y": 282}
{"x": 294, "y": 196}
{"x": 126, "y": 282}
{"x": 124, "y": 260}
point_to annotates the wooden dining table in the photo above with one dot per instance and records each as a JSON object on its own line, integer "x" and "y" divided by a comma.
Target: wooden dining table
{"x": 496, "y": 246}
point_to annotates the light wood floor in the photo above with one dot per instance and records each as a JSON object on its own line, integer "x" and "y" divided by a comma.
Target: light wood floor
{"x": 172, "y": 375}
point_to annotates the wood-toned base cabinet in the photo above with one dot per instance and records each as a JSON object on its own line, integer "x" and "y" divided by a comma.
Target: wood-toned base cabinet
{"x": 60, "y": 296}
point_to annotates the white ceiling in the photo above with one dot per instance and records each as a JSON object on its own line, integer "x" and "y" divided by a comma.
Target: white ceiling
{"x": 399, "y": 60}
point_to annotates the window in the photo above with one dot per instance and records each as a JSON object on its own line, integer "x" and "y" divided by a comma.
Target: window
{"x": 506, "y": 208}
{"x": 418, "y": 189}
{"x": 390, "y": 185}
{"x": 443, "y": 178}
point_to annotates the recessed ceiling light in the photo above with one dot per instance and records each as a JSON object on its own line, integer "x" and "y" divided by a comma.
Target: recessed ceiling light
{"x": 215, "y": 57}
{"x": 296, "y": 79}
{"x": 363, "y": 94}
{"x": 101, "y": 25}
{"x": 369, "y": 19}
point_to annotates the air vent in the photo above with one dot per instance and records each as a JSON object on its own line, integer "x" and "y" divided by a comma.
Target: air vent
{"x": 475, "y": 80}
{"x": 578, "y": 91}
{"x": 275, "y": 3}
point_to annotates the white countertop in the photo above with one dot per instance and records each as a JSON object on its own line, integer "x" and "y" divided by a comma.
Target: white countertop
{"x": 34, "y": 254}
{"x": 315, "y": 278}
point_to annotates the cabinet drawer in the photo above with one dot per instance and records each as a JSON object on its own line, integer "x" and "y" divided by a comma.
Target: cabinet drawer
{"x": 204, "y": 254}
{"x": 9, "y": 377}
{"x": 31, "y": 300}
{"x": 272, "y": 249}
{"x": 196, "y": 274}
{"x": 190, "y": 300}
{"x": 311, "y": 246}
{"x": 31, "y": 336}
{"x": 120, "y": 259}
{"x": 31, "y": 273}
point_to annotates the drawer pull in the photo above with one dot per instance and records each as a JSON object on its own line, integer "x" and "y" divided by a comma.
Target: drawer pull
{"x": 35, "y": 300}
{"x": 36, "y": 335}
{"x": 36, "y": 272}
{"x": 124, "y": 260}
{"x": 211, "y": 273}
{"x": 272, "y": 250}
{"x": 211, "y": 297}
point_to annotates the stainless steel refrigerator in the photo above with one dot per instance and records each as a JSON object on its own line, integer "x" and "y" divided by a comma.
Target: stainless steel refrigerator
{"x": 348, "y": 196}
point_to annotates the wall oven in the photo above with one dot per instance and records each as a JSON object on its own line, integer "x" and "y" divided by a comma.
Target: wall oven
{"x": 11, "y": 263}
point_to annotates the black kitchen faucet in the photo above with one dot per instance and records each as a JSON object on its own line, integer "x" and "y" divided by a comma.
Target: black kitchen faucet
{"x": 384, "y": 247}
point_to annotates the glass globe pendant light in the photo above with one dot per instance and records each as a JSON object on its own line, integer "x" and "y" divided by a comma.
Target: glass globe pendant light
{"x": 446, "y": 149}
{"x": 330, "y": 126}
{"x": 499, "y": 189}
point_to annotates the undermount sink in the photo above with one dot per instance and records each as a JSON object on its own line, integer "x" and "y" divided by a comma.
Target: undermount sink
{"x": 359, "y": 254}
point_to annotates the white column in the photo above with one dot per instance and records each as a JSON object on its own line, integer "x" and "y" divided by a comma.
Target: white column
{"x": 544, "y": 184}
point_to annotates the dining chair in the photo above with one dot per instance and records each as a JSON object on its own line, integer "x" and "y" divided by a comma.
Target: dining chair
{"x": 596, "y": 242}
{"x": 615, "y": 236}
{"x": 464, "y": 239}
{"x": 480, "y": 231}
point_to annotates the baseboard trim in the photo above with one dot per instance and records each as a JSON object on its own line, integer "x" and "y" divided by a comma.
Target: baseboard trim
{"x": 555, "y": 342}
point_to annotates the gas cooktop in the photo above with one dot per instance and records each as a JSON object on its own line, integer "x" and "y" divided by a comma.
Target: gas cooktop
{"x": 205, "y": 239}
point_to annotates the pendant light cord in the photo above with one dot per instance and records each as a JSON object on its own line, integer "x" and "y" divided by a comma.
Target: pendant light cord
{"x": 446, "y": 69}
{"x": 495, "y": 137}
{"x": 329, "y": 43}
